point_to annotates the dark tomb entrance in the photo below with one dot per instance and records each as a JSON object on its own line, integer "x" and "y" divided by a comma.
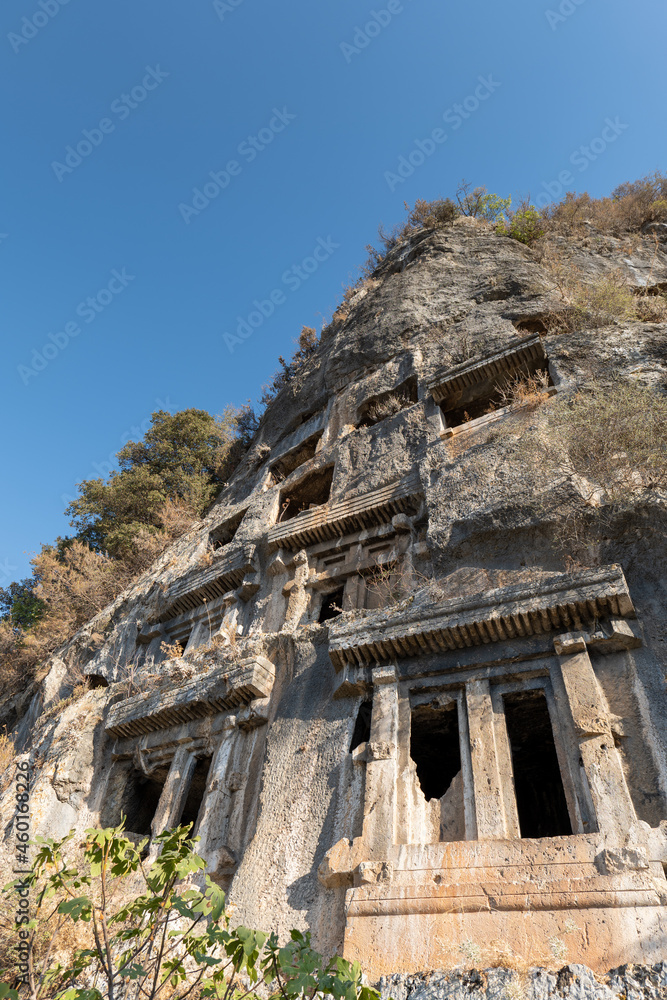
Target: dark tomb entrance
{"x": 540, "y": 797}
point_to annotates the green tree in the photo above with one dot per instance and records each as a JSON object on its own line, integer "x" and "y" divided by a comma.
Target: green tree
{"x": 479, "y": 204}
{"x": 526, "y": 224}
{"x": 20, "y": 606}
{"x": 184, "y": 456}
{"x": 152, "y": 936}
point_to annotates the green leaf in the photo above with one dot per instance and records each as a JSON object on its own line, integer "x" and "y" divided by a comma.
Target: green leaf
{"x": 80, "y": 908}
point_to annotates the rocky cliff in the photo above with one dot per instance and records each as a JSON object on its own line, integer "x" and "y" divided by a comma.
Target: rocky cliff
{"x": 403, "y": 706}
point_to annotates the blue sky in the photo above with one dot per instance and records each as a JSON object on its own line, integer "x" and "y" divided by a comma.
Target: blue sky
{"x": 303, "y": 110}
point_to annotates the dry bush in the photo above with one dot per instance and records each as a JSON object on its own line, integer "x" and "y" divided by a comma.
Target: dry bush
{"x": 590, "y": 302}
{"x": 525, "y": 392}
{"x": 424, "y": 215}
{"x": 391, "y": 584}
{"x": 651, "y": 308}
{"x": 289, "y": 371}
{"x": 604, "y": 300}
{"x": 75, "y": 584}
{"x": 387, "y": 585}
{"x": 365, "y": 283}
{"x": 387, "y": 406}
{"x": 224, "y": 641}
{"x": 599, "y": 453}
{"x": 6, "y": 761}
{"x": 171, "y": 650}
{"x": 630, "y": 207}
{"x": 176, "y": 516}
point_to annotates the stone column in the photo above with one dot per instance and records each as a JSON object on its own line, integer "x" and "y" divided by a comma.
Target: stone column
{"x": 380, "y": 798}
{"x": 214, "y": 819}
{"x": 486, "y": 776}
{"x": 175, "y": 791}
{"x": 298, "y": 596}
{"x": 599, "y": 757}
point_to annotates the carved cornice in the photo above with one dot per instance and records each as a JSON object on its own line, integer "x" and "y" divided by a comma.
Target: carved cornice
{"x": 223, "y": 688}
{"x": 562, "y": 601}
{"x": 225, "y": 573}
{"x": 335, "y": 519}
{"x": 450, "y": 381}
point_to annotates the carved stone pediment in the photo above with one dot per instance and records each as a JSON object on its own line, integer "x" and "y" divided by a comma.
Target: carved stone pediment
{"x": 450, "y": 381}
{"x": 220, "y": 689}
{"x": 226, "y": 573}
{"x": 340, "y": 518}
{"x": 561, "y": 601}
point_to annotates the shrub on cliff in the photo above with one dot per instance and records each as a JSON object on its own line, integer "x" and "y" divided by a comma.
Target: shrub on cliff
{"x": 150, "y": 933}
{"x": 526, "y": 224}
{"x": 629, "y": 207}
{"x": 600, "y": 453}
{"x": 289, "y": 371}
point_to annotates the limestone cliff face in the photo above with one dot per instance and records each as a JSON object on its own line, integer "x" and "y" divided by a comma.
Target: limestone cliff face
{"x": 402, "y": 766}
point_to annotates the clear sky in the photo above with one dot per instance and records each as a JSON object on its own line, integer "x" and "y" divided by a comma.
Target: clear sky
{"x": 120, "y": 281}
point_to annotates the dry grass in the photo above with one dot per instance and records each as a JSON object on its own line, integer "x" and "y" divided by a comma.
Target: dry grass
{"x": 596, "y": 302}
{"x": 171, "y": 650}
{"x": 526, "y": 392}
{"x": 651, "y": 308}
{"x": 386, "y": 406}
{"x": 76, "y": 583}
{"x": 596, "y": 454}
{"x": 6, "y": 761}
{"x": 630, "y": 207}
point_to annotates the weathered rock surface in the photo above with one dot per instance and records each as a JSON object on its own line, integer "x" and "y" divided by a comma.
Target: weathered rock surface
{"x": 348, "y": 737}
{"x": 572, "y": 982}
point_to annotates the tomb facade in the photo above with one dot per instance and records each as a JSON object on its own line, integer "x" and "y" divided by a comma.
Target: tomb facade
{"x": 398, "y": 712}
